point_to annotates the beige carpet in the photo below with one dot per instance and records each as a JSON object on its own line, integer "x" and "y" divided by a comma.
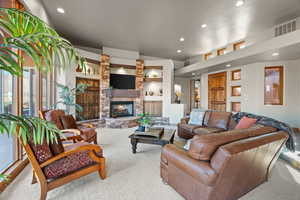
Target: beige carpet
{"x": 136, "y": 177}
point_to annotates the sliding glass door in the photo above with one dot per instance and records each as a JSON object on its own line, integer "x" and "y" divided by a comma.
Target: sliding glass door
{"x": 8, "y": 153}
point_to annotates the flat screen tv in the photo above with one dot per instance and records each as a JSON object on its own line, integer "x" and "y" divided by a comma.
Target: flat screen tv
{"x": 121, "y": 81}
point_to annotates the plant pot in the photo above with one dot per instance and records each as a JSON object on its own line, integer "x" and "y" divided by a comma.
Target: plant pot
{"x": 141, "y": 128}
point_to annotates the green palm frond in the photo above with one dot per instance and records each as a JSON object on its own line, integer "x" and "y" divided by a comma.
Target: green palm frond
{"x": 23, "y": 31}
{"x": 23, "y": 125}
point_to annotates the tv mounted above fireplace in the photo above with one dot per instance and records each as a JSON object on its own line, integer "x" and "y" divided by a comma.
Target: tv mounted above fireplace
{"x": 122, "y": 81}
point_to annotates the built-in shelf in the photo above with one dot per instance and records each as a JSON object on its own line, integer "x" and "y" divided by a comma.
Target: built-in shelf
{"x": 153, "y": 98}
{"x": 153, "y": 67}
{"x": 153, "y": 79}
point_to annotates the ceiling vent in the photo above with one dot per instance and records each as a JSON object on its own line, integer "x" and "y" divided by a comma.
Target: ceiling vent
{"x": 285, "y": 28}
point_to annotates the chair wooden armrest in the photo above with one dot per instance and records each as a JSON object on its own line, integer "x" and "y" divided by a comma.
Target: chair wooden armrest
{"x": 89, "y": 125}
{"x": 92, "y": 148}
{"x": 75, "y": 131}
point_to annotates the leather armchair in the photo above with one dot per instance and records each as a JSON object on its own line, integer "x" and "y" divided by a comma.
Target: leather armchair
{"x": 231, "y": 171}
{"x": 72, "y": 130}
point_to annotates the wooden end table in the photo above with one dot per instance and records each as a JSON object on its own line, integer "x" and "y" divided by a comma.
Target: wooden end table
{"x": 167, "y": 137}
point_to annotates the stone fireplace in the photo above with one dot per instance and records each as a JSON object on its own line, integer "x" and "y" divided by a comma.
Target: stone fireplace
{"x": 115, "y": 103}
{"x": 121, "y": 109}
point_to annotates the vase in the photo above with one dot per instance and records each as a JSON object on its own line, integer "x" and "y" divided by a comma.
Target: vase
{"x": 141, "y": 128}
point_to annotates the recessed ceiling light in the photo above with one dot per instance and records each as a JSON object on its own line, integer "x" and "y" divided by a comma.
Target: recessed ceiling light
{"x": 228, "y": 65}
{"x": 60, "y": 10}
{"x": 203, "y": 25}
{"x": 239, "y": 3}
{"x": 193, "y": 74}
{"x": 179, "y": 51}
{"x": 181, "y": 39}
{"x": 275, "y": 54}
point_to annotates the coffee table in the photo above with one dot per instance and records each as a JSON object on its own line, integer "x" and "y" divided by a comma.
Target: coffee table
{"x": 167, "y": 137}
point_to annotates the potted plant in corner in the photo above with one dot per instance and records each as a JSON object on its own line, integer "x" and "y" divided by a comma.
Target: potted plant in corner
{"x": 22, "y": 33}
{"x": 144, "y": 122}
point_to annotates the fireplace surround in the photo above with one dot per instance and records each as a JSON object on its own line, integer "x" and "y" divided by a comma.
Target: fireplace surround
{"x": 121, "y": 109}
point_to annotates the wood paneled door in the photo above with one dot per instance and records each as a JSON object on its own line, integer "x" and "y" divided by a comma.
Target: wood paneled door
{"x": 217, "y": 91}
{"x": 89, "y": 100}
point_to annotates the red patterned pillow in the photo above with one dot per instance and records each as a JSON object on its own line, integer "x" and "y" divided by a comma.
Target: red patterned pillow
{"x": 245, "y": 123}
{"x": 42, "y": 152}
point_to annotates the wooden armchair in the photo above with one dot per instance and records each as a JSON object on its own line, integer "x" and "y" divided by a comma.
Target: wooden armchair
{"x": 52, "y": 171}
{"x": 68, "y": 125}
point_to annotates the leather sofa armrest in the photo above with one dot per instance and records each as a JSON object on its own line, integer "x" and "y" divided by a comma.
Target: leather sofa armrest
{"x": 200, "y": 170}
{"x": 185, "y": 120}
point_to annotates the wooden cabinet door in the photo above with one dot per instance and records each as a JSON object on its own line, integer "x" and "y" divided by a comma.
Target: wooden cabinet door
{"x": 154, "y": 108}
{"x": 217, "y": 84}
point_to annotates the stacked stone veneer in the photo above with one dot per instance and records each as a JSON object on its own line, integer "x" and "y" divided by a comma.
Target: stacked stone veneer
{"x": 139, "y": 85}
{"x": 105, "y": 84}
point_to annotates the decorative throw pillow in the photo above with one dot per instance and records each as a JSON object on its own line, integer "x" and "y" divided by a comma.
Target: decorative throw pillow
{"x": 57, "y": 147}
{"x": 68, "y": 122}
{"x": 196, "y": 117}
{"x": 245, "y": 122}
{"x": 42, "y": 152}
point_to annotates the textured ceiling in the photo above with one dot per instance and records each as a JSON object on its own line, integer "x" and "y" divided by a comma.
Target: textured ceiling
{"x": 153, "y": 27}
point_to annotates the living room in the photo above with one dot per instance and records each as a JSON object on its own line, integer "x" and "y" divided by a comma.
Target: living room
{"x": 162, "y": 103}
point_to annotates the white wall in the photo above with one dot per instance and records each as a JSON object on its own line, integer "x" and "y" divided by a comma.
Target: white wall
{"x": 252, "y": 99}
{"x": 253, "y": 88}
{"x": 185, "y": 90}
{"x": 36, "y": 8}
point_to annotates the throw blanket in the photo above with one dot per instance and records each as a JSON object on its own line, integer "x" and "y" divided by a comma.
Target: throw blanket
{"x": 270, "y": 122}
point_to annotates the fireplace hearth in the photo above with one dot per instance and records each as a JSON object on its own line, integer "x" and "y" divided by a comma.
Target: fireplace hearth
{"x": 121, "y": 109}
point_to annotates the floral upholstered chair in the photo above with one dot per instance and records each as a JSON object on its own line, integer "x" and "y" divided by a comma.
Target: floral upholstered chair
{"x": 55, "y": 165}
{"x": 68, "y": 125}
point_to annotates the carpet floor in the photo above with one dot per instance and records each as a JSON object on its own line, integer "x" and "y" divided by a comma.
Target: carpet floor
{"x": 136, "y": 177}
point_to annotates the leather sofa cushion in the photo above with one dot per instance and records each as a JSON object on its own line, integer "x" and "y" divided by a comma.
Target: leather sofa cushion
{"x": 204, "y": 146}
{"x": 68, "y": 122}
{"x": 232, "y": 124}
{"x": 189, "y": 127}
{"x": 206, "y": 130}
{"x": 206, "y": 118}
{"x": 219, "y": 120}
{"x": 201, "y": 171}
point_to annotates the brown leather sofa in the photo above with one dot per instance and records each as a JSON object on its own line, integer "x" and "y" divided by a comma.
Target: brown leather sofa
{"x": 213, "y": 122}
{"x": 222, "y": 166}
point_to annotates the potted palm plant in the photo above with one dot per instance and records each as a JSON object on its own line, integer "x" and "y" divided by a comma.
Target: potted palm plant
{"x": 22, "y": 33}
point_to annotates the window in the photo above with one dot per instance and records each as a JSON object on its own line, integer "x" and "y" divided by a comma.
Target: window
{"x": 236, "y": 75}
{"x": 45, "y": 92}
{"x": 7, "y": 144}
{"x": 236, "y": 106}
{"x": 221, "y": 51}
{"x": 236, "y": 91}
{"x": 239, "y": 45}
{"x": 207, "y": 56}
{"x": 274, "y": 85}
{"x": 29, "y": 107}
